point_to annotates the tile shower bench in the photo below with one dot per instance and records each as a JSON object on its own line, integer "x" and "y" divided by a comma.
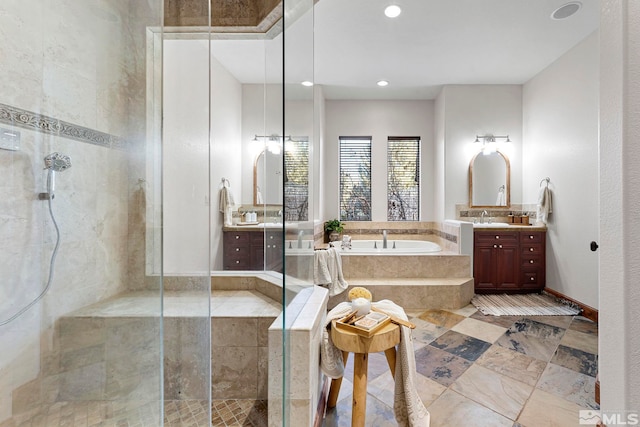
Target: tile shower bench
{"x": 116, "y": 342}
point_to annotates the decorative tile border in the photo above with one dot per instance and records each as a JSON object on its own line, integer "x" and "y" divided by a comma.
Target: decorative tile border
{"x": 40, "y": 123}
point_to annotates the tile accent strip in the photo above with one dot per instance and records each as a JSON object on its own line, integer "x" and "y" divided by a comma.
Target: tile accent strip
{"x": 40, "y": 123}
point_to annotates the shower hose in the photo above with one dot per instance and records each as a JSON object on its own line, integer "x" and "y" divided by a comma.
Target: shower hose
{"x": 52, "y": 262}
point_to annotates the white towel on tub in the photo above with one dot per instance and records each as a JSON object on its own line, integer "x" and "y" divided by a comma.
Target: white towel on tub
{"x": 327, "y": 271}
{"x": 407, "y": 405}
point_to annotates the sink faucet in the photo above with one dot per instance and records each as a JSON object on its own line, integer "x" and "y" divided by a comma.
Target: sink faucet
{"x": 384, "y": 239}
{"x": 300, "y": 234}
{"x": 482, "y": 216}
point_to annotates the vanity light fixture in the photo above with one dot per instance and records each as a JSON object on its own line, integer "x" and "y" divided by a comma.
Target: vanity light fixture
{"x": 490, "y": 143}
{"x": 392, "y": 11}
{"x": 383, "y": 83}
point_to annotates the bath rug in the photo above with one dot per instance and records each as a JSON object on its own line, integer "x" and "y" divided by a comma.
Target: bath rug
{"x": 523, "y": 305}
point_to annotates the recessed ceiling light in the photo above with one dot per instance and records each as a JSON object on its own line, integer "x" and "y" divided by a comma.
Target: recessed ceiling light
{"x": 307, "y": 83}
{"x": 565, "y": 11}
{"x": 383, "y": 83}
{"x": 392, "y": 11}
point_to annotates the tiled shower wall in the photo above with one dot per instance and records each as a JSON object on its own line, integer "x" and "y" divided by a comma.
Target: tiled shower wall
{"x": 72, "y": 80}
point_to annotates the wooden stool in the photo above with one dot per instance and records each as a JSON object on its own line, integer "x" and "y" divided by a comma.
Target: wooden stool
{"x": 385, "y": 340}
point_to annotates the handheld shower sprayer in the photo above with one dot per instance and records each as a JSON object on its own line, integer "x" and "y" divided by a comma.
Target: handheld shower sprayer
{"x": 54, "y": 162}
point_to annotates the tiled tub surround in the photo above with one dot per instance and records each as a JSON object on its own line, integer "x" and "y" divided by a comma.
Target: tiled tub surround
{"x": 432, "y": 280}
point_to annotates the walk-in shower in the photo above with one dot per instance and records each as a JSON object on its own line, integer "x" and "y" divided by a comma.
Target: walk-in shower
{"x": 54, "y": 162}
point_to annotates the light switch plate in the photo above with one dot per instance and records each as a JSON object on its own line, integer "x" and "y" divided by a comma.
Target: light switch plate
{"x": 9, "y": 139}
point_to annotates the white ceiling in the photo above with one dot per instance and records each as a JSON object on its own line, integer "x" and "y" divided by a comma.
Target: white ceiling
{"x": 432, "y": 43}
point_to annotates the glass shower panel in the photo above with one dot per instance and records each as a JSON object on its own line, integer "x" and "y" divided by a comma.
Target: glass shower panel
{"x": 75, "y": 199}
{"x": 300, "y": 341}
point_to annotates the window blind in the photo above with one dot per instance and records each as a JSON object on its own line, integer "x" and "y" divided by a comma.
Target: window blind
{"x": 403, "y": 178}
{"x": 355, "y": 178}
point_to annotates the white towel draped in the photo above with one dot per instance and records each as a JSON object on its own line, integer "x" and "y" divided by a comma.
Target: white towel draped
{"x": 327, "y": 270}
{"x": 544, "y": 205}
{"x": 226, "y": 198}
{"x": 408, "y": 408}
{"x": 500, "y": 200}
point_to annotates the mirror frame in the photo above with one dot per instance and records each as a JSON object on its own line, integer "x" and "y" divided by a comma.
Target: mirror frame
{"x": 255, "y": 182}
{"x": 508, "y": 184}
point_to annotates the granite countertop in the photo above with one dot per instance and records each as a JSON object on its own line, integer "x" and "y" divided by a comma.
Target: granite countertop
{"x": 253, "y": 227}
{"x": 511, "y": 227}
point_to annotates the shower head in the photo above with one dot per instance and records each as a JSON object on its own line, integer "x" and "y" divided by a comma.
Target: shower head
{"x": 57, "y": 162}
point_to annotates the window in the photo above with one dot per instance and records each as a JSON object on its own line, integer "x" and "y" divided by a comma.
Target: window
{"x": 296, "y": 179}
{"x": 403, "y": 179}
{"x": 355, "y": 178}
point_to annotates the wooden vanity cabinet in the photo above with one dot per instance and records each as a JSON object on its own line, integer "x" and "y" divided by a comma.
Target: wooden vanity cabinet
{"x": 508, "y": 261}
{"x": 245, "y": 250}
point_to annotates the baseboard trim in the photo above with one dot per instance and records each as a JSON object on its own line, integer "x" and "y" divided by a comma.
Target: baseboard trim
{"x": 587, "y": 311}
{"x": 322, "y": 403}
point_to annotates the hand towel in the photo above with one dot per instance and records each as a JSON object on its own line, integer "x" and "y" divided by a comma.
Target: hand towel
{"x": 226, "y": 198}
{"x": 327, "y": 271}
{"x": 500, "y": 200}
{"x": 409, "y": 409}
{"x": 544, "y": 207}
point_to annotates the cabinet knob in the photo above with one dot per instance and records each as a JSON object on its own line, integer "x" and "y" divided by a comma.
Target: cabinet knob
{"x": 530, "y": 261}
{"x": 532, "y": 279}
{"x": 530, "y": 249}
{"x": 495, "y": 246}
{"x": 237, "y": 249}
{"x": 497, "y": 237}
{"x": 531, "y": 237}
{"x": 271, "y": 237}
{"x": 500, "y": 246}
{"x": 237, "y": 237}
{"x": 237, "y": 262}
{"x": 268, "y": 246}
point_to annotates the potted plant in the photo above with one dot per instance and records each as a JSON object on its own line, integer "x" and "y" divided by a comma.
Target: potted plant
{"x": 333, "y": 227}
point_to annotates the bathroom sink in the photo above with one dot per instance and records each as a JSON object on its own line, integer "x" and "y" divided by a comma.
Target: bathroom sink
{"x": 492, "y": 225}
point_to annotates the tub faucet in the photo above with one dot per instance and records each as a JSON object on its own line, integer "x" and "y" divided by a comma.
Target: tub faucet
{"x": 300, "y": 234}
{"x": 384, "y": 239}
{"x": 482, "y": 216}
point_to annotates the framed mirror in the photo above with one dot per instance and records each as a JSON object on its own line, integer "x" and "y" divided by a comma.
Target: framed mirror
{"x": 267, "y": 179}
{"x": 489, "y": 180}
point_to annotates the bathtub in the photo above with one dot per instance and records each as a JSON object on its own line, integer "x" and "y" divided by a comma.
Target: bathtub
{"x": 394, "y": 247}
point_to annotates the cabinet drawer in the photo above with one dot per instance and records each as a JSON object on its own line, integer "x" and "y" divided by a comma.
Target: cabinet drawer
{"x": 531, "y": 278}
{"x": 233, "y": 263}
{"x": 232, "y": 237}
{"x": 530, "y": 260}
{"x": 495, "y": 237}
{"x": 532, "y": 249}
{"x": 531, "y": 237}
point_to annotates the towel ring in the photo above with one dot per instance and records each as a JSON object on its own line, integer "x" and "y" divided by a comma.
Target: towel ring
{"x": 545, "y": 180}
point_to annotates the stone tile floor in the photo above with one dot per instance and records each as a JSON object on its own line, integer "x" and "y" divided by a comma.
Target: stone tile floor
{"x": 472, "y": 370}
{"x": 476, "y": 370}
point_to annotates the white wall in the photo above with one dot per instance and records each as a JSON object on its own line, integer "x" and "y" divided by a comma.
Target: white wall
{"x": 560, "y": 131}
{"x": 379, "y": 119}
{"x": 471, "y": 110}
{"x": 438, "y": 158}
{"x": 187, "y": 152}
